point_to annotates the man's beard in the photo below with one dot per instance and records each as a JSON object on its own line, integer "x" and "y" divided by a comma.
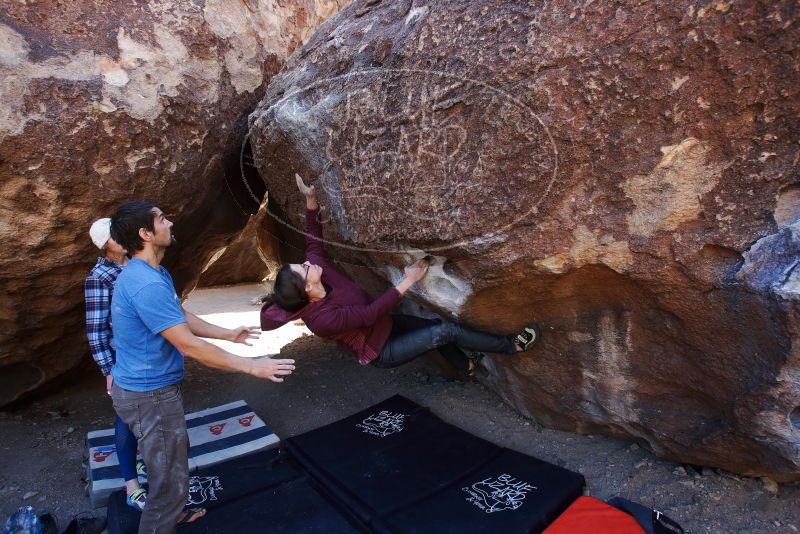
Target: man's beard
{"x": 172, "y": 240}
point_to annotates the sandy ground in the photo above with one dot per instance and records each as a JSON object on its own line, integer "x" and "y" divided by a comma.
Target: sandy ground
{"x": 42, "y": 447}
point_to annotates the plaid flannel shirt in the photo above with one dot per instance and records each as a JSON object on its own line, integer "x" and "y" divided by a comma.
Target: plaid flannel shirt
{"x": 98, "y": 288}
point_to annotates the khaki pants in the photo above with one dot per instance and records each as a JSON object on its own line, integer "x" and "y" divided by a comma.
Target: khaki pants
{"x": 157, "y": 420}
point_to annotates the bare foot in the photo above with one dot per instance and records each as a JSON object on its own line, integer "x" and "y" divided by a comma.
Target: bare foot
{"x": 191, "y": 515}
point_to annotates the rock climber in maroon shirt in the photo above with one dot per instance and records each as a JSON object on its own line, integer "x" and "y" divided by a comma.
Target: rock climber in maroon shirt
{"x": 335, "y": 307}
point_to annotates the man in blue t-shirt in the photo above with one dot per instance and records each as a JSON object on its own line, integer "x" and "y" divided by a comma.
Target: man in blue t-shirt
{"x": 152, "y": 334}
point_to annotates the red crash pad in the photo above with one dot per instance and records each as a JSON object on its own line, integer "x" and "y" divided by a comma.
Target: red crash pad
{"x": 589, "y": 515}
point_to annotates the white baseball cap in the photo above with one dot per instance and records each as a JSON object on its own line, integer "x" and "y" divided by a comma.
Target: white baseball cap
{"x": 100, "y": 232}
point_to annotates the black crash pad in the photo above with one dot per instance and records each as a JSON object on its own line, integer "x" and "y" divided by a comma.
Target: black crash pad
{"x": 398, "y": 468}
{"x": 255, "y": 493}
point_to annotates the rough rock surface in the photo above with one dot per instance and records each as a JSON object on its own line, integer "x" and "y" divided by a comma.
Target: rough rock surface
{"x": 108, "y": 101}
{"x": 625, "y": 174}
{"x": 238, "y": 262}
{"x": 251, "y": 257}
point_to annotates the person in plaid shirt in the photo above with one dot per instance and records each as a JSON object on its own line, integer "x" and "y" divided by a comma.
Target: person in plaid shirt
{"x": 98, "y": 289}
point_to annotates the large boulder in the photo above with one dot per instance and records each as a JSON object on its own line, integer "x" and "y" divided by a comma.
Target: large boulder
{"x": 623, "y": 173}
{"x": 108, "y": 101}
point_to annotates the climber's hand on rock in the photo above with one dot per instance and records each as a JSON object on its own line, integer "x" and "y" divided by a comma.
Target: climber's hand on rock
{"x": 416, "y": 271}
{"x": 310, "y": 192}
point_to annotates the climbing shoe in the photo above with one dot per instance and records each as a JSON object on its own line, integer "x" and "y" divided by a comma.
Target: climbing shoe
{"x": 473, "y": 359}
{"x": 529, "y": 335}
{"x": 137, "y": 499}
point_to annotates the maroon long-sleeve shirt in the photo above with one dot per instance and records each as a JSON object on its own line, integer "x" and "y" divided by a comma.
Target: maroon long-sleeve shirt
{"x": 347, "y": 314}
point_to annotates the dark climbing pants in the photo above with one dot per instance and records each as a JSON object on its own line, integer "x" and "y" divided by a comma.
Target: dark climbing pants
{"x": 413, "y": 336}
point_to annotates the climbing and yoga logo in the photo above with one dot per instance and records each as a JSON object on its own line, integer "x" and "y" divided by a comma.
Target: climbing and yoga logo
{"x": 414, "y": 154}
{"x": 383, "y": 423}
{"x": 496, "y": 494}
{"x": 202, "y": 489}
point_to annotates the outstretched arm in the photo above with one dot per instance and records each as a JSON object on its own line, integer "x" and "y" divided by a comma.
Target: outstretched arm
{"x": 201, "y": 328}
{"x": 315, "y": 252}
{"x": 159, "y": 309}
{"x": 182, "y": 338}
{"x": 350, "y": 317}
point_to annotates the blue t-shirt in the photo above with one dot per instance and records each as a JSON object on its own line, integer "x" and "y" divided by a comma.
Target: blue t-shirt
{"x": 144, "y": 305}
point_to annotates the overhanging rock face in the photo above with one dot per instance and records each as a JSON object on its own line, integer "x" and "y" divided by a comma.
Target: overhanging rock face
{"x": 108, "y": 101}
{"x": 625, "y": 175}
